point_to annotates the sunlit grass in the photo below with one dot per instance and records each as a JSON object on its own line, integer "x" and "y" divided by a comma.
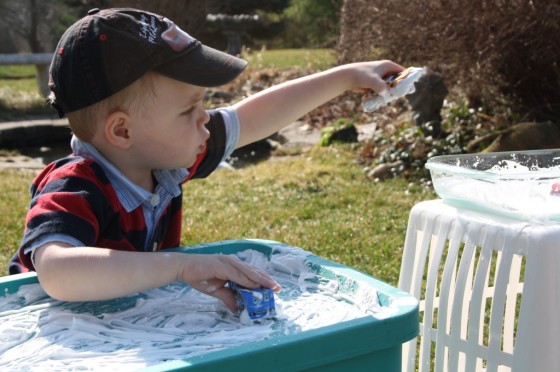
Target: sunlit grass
{"x": 284, "y": 58}
{"x": 14, "y": 186}
{"x": 19, "y": 71}
{"x": 321, "y": 202}
{"x": 18, "y": 78}
{"x": 19, "y": 95}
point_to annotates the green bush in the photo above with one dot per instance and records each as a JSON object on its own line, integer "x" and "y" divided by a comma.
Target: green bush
{"x": 310, "y": 23}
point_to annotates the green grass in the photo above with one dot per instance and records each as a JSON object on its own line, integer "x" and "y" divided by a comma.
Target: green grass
{"x": 18, "y": 78}
{"x": 320, "y": 201}
{"x": 17, "y": 71}
{"x": 19, "y": 95}
{"x": 285, "y": 58}
{"x": 14, "y": 186}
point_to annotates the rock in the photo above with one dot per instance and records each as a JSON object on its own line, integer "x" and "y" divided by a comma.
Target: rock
{"x": 383, "y": 171}
{"x": 339, "y": 132}
{"x": 298, "y": 134}
{"x": 251, "y": 153}
{"x": 427, "y": 101}
{"x": 526, "y": 136}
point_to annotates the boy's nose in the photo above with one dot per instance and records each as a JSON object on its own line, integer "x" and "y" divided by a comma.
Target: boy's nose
{"x": 204, "y": 118}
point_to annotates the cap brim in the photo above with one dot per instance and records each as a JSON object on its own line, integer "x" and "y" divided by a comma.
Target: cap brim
{"x": 203, "y": 66}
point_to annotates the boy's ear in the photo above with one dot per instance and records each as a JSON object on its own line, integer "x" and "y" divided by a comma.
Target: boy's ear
{"x": 117, "y": 129}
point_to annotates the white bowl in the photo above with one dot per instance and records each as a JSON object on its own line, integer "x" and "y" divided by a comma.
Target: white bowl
{"x": 524, "y": 185}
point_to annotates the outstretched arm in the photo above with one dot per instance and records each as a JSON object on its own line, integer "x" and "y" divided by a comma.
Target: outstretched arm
{"x": 272, "y": 109}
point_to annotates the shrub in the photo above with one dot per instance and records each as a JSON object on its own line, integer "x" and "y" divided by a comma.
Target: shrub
{"x": 497, "y": 52}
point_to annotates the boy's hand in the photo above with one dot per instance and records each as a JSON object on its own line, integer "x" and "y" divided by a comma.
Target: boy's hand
{"x": 209, "y": 273}
{"x": 399, "y": 86}
{"x": 369, "y": 76}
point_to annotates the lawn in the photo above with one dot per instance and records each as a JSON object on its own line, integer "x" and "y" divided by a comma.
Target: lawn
{"x": 302, "y": 58}
{"x": 19, "y": 96}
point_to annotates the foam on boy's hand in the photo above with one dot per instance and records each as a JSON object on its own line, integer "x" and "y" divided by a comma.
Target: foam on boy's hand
{"x": 399, "y": 86}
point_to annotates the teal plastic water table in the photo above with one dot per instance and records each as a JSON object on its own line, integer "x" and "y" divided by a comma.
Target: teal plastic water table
{"x": 368, "y": 343}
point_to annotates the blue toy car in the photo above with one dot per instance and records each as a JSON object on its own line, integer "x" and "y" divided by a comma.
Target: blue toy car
{"x": 259, "y": 302}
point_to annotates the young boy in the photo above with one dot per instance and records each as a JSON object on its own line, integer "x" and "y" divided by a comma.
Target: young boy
{"x": 132, "y": 84}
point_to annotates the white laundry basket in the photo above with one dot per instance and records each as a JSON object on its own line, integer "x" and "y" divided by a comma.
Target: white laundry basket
{"x": 489, "y": 291}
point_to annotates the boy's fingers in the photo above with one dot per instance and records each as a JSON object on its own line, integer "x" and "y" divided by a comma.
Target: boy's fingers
{"x": 231, "y": 268}
{"x": 389, "y": 68}
{"x": 216, "y": 288}
{"x": 209, "y": 286}
{"x": 378, "y": 84}
{"x": 227, "y": 297}
{"x": 253, "y": 277}
{"x": 361, "y": 90}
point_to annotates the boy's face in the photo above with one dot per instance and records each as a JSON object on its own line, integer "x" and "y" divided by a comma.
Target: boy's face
{"x": 171, "y": 133}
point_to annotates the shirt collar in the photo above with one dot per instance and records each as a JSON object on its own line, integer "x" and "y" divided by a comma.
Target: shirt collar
{"x": 130, "y": 194}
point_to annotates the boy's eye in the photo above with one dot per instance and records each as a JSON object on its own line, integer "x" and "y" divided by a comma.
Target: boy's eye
{"x": 188, "y": 111}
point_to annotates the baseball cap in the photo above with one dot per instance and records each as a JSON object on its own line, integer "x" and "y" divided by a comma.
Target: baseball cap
{"x": 109, "y": 49}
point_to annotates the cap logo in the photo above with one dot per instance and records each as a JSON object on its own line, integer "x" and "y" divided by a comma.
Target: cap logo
{"x": 176, "y": 38}
{"x": 149, "y": 29}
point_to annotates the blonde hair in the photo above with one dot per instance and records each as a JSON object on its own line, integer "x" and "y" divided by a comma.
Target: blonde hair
{"x": 133, "y": 99}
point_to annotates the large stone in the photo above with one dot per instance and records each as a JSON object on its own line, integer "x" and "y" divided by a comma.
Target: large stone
{"x": 340, "y": 132}
{"x": 526, "y": 136}
{"x": 427, "y": 101}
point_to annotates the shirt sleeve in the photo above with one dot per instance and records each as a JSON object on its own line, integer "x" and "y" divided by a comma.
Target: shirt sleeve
{"x": 224, "y": 135}
{"x": 231, "y": 122}
{"x": 65, "y": 206}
